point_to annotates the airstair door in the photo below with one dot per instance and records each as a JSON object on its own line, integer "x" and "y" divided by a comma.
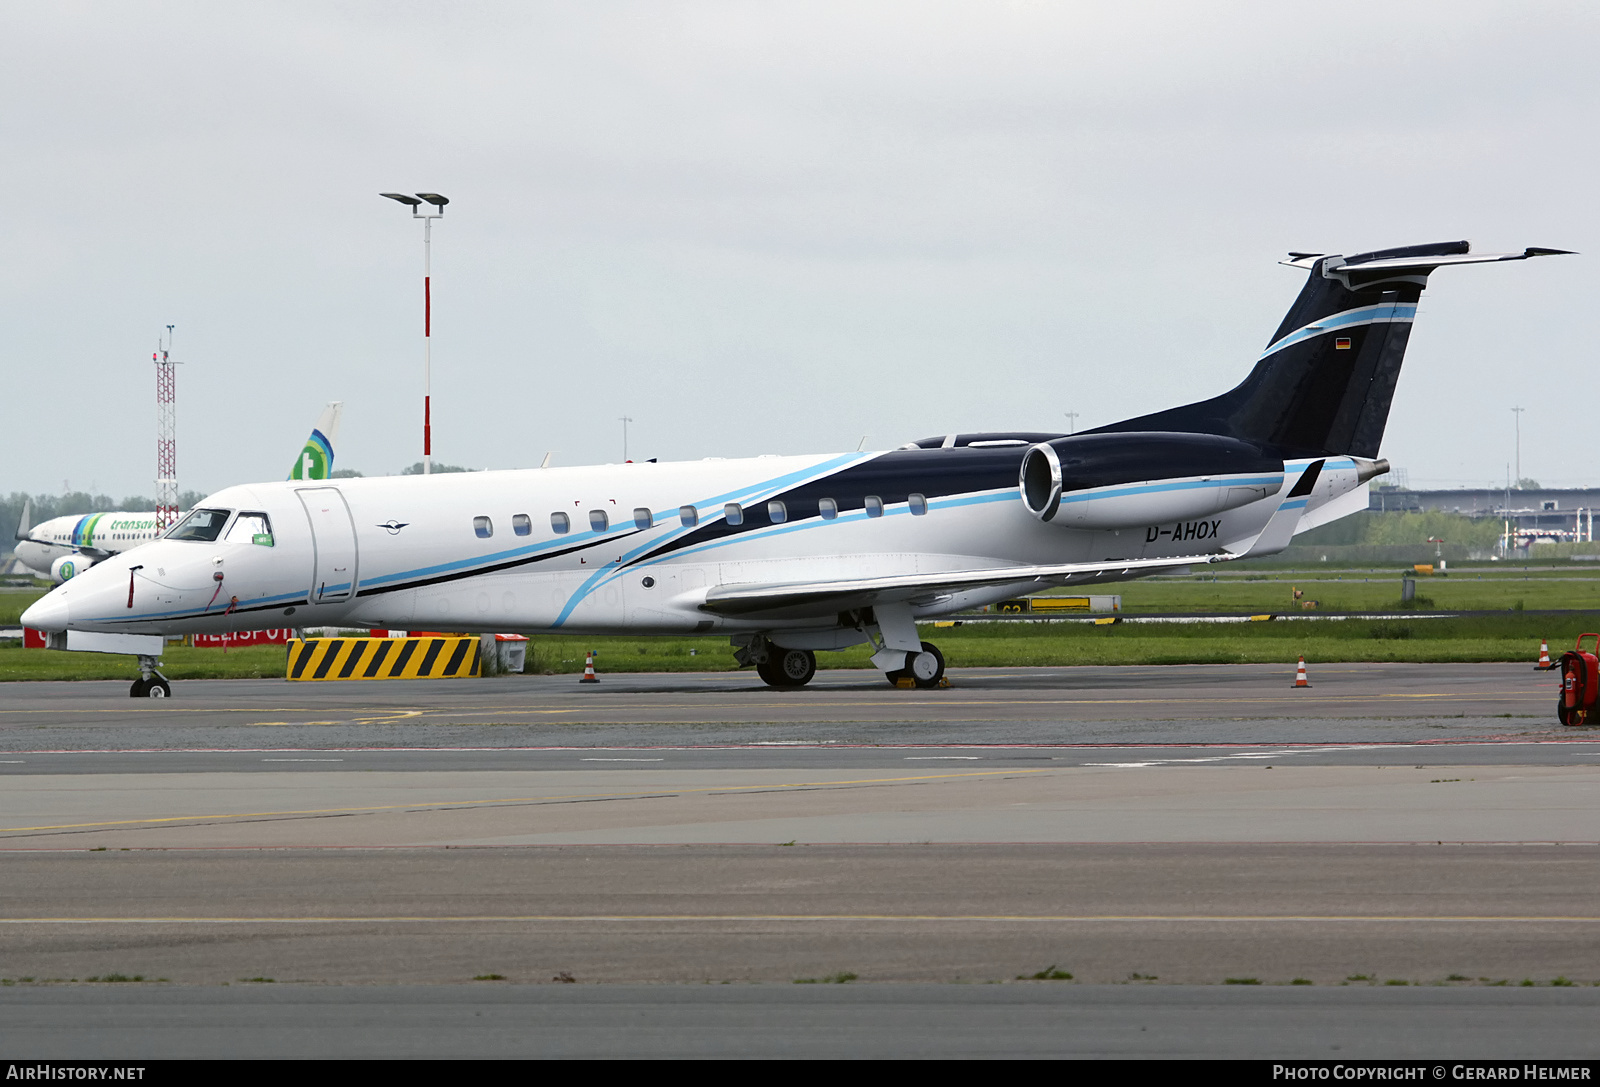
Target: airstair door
{"x": 333, "y": 534}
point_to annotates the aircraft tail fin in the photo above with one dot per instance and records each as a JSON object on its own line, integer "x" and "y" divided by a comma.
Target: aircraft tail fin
{"x": 316, "y": 459}
{"x": 1326, "y": 380}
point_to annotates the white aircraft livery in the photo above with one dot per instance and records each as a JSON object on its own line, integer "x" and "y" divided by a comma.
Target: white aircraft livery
{"x": 64, "y": 547}
{"x": 789, "y": 555}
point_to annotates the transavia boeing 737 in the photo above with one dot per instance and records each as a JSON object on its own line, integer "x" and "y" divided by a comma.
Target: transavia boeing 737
{"x": 789, "y": 555}
{"x": 64, "y": 547}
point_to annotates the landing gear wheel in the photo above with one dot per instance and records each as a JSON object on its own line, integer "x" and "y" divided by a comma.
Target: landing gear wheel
{"x": 925, "y": 669}
{"x": 788, "y": 667}
{"x": 150, "y": 688}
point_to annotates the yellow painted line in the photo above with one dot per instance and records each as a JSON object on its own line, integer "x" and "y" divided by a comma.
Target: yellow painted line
{"x": 417, "y": 805}
{"x": 723, "y": 918}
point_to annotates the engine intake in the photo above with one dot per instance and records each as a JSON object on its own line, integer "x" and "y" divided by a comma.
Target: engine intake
{"x": 1113, "y": 481}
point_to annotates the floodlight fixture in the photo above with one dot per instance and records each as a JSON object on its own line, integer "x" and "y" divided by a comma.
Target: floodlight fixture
{"x": 409, "y": 201}
{"x": 435, "y": 199}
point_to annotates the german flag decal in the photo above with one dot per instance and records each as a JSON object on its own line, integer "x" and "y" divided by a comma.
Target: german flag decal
{"x": 1341, "y": 343}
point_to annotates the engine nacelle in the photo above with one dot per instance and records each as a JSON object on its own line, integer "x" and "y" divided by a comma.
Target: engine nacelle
{"x": 1113, "y": 481}
{"x": 69, "y": 566}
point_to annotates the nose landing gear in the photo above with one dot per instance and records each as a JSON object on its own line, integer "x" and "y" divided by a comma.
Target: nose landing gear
{"x": 151, "y": 683}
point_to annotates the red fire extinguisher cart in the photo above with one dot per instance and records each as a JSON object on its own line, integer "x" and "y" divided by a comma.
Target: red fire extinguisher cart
{"x": 1580, "y": 683}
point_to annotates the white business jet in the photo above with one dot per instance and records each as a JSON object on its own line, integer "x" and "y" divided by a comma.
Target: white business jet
{"x": 789, "y": 555}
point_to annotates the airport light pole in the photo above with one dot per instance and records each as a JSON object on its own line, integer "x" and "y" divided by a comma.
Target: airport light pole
{"x": 427, "y": 217}
{"x": 1516, "y": 413}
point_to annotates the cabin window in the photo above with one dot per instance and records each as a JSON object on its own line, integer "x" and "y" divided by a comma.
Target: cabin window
{"x": 689, "y": 516}
{"x": 203, "y": 526}
{"x": 917, "y": 504}
{"x": 874, "y": 506}
{"x": 642, "y": 518}
{"x": 483, "y": 527}
{"x": 828, "y": 508}
{"x": 778, "y": 512}
{"x": 733, "y": 513}
{"x": 521, "y": 524}
{"x": 598, "y": 520}
{"x": 253, "y": 528}
{"x": 560, "y": 523}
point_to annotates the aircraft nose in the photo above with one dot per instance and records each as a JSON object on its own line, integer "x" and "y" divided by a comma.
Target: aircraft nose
{"x": 49, "y": 612}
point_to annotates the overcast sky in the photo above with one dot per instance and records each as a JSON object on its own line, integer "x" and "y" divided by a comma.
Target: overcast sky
{"x": 767, "y": 227}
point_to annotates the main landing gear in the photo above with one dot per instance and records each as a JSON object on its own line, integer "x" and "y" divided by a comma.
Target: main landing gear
{"x": 925, "y": 669}
{"x": 777, "y": 666}
{"x": 151, "y": 683}
{"x": 787, "y": 667}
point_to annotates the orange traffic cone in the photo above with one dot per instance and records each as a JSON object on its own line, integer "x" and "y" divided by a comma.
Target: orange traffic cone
{"x": 1544, "y": 664}
{"x": 1300, "y": 674}
{"x": 588, "y": 669}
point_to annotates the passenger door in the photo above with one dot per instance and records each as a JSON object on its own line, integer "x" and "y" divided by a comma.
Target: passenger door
{"x": 333, "y": 535}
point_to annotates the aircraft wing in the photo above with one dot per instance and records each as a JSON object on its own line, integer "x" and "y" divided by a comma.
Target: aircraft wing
{"x": 805, "y": 599}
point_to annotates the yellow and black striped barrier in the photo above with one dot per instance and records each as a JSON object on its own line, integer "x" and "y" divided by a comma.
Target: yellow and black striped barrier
{"x": 383, "y": 658}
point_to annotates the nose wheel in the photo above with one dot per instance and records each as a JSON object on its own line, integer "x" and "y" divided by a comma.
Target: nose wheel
{"x": 151, "y": 683}
{"x": 925, "y": 669}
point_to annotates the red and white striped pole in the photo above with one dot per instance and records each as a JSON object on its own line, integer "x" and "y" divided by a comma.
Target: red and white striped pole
{"x": 414, "y": 203}
{"x": 427, "y": 345}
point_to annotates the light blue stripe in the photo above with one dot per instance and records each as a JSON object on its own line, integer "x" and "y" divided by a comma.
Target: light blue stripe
{"x": 1366, "y": 315}
{"x": 754, "y": 492}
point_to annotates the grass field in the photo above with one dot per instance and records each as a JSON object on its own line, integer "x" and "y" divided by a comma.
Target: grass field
{"x": 1510, "y": 637}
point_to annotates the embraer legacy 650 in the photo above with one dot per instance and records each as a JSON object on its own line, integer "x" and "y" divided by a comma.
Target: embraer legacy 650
{"x": 788, "y": 555}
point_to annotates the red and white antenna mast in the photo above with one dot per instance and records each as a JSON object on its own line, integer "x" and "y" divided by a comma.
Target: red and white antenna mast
{"x": 166, "y": 433}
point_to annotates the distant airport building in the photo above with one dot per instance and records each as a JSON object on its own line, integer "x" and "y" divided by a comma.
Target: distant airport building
{"x": 1531, "y": 516}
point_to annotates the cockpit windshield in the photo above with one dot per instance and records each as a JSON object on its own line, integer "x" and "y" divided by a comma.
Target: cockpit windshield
{"x": 202, "y": 525}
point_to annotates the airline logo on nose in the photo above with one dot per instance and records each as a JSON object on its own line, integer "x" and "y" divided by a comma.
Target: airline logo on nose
{"x": 393, "y": 527}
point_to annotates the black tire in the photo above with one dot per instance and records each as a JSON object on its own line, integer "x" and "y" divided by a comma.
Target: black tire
{"x": 909, "y": 671}
{"x": 788, "y": 667}
{"x": 140, "y": 689}
{"x": 927, "y": 682}
{"x": 159, "y": 688}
